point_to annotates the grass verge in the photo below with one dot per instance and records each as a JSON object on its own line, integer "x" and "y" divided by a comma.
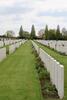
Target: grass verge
{"x": 18, "y": 76}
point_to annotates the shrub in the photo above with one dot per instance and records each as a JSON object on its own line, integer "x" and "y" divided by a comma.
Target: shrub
{"x": 49, "y": 89}
{"x": 38, "y": 59}
{"x": 39, "y": 64}
{"x": 43, "y": 74}
{"x": 40, "y": 69}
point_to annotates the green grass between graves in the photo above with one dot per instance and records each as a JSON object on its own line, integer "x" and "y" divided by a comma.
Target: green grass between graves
{"x": 63, "y": 60}
{"x": 18, "y": 76}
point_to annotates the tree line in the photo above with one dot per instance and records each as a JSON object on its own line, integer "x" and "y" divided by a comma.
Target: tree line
{"x": 27, "y": 35}
{"x": 53, "y": 34}
{"x": 49, "y": 34}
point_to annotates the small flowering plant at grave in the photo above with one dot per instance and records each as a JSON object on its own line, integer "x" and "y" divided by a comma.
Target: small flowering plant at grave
{"x": 48, "y": 90}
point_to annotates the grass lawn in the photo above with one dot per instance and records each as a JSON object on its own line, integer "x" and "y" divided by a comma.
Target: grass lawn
{"x": 63, "y": 60}
{"x": 18, "y": 76}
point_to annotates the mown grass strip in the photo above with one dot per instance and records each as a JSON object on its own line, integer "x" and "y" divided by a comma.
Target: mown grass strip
{"x": 18, "y": 76}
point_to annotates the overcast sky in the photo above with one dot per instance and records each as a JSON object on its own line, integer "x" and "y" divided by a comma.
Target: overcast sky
{"x": 14, "y": 13}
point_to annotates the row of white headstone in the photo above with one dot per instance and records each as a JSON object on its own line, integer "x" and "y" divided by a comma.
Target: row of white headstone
{"x": 60, "y": 46}
{"x": 8, "y": 42}
{"x": 55, "y": 69}
{"x": 12, "y": 48}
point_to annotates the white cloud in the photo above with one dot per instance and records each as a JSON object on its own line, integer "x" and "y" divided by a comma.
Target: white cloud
{"x": 14, "y": 13}
{"x": 6, "y": 2}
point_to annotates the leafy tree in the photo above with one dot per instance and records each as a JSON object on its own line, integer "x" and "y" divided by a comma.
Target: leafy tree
{"x": 58, "y": 34}
{"x": 26, "y": 35}
{"x": 32, "y": 35}
{"x": 64, "y": 31}
{"x": 64, "y": 37}
{"x": 46, "y": 32}
{"x": 51, "y": 34}
{"x": 21, "y": 32}
{"x": 9, "y": 34}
